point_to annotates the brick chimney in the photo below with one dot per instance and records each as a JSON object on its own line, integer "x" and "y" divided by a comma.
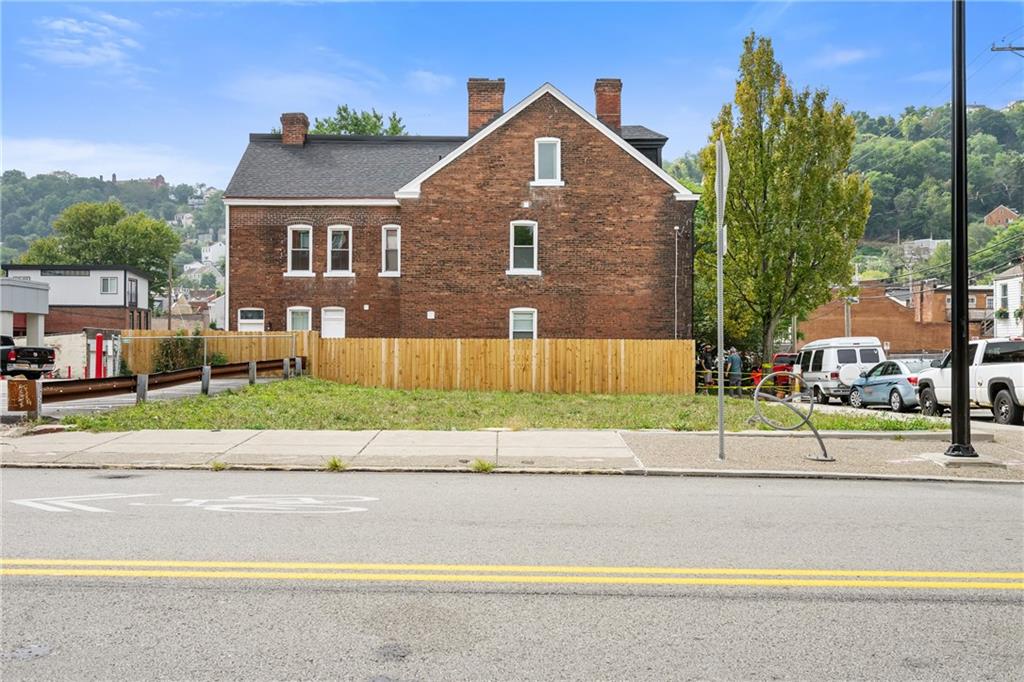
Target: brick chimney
{"x": 294, "y": 128}
{"x": 608, "y": 102}
{"x": 486, "y": 102}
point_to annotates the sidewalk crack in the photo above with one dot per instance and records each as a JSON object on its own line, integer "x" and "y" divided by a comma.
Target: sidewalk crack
{"x": 227, "y": 452}
{"x": 372, "y": 438}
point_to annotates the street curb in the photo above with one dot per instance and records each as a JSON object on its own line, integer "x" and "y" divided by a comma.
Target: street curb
{"x": 834, "y": 435}
{"x": 657, "y": 471}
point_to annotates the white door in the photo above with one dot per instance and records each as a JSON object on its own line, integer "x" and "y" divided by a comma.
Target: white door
{"x": 332, "y": 323}
{"x": 250, "y": 319}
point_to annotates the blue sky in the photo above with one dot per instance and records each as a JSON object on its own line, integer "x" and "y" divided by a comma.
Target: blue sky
{"x": 175, "y": 88}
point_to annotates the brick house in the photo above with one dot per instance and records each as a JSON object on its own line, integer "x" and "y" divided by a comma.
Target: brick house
{"x": 1000, "y": 216}
{"x": 90, "y": 296}
{"x": 913, "y": 320}
{"x": 545, "y": 221}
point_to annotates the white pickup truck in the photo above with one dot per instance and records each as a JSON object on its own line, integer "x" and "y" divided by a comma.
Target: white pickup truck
{"x": 996, "y": 380}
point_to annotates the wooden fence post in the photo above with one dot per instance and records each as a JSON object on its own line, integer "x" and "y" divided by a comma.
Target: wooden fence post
{"x": 205, "y": 389}
{"x": 252, "y": 372}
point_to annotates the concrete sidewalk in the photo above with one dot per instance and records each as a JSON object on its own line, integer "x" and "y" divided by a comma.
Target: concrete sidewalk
{"x": 883, "y": 455}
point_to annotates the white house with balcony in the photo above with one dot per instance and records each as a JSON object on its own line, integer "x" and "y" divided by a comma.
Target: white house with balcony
{"x": 1008, "y": 295}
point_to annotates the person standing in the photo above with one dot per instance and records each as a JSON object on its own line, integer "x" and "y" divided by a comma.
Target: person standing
{"x": 735, "y": 365}
{"x": 707, "y": 366}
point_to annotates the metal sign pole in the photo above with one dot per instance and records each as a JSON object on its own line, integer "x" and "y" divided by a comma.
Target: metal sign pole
{"x": 721, "y": 185}
{"x": 960, "y": 443}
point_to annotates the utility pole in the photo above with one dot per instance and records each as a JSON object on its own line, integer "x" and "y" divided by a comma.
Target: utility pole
{"x": 170, "y": 280}
{"x": 1015, "y": 49}
{"x": 960, "y": 443}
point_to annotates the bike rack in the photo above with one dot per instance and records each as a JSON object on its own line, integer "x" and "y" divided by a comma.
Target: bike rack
{"x": 788, "y": 402}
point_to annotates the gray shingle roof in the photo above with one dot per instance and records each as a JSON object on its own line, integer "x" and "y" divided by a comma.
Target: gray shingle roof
{"x": 630, "y": 133}
{"x": 334, "y": 166}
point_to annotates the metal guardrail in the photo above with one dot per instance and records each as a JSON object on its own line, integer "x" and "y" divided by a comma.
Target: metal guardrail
{"x": 78, "y": 389}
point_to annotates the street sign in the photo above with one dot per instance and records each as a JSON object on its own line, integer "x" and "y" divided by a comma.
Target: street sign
{"x": 721, "y": 178}
{"x": 22, "y": 396}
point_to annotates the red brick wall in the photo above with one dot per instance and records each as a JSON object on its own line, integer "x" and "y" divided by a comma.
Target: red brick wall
{"x": 606, "y": 246}
{"x": 877, "y": 315}
{"x": 70, "y": 319}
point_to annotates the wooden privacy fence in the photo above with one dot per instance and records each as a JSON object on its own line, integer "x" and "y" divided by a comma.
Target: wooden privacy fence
{"x": 543, "y": 365}
{"x": 139, "y": 346}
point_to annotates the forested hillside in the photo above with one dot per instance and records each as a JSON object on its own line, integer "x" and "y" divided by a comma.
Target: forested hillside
{"x": 907, "y": 161}
{"x": 30, "y": 205}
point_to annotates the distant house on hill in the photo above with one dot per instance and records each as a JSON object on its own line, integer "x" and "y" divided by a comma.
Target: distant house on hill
{"x": 1001, "y": 215}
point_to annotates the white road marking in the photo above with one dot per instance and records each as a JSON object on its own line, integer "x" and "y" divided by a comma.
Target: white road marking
{"x": 71, "y": 502}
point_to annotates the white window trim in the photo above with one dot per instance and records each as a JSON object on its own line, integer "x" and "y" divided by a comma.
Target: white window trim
{"x": 512, "y": 269}
{"x": 298, "y": 308}
{"x": 331, "y": 308}
{"x": 511, "y": 314}
{"x": 537, "y": 181}
{"x": 384, "y": 248}
{"x": 331, "y": 229}
{"x": 104, "y": 279}
{"x": 238, "y": 316}
{"x": 300, "y": 273}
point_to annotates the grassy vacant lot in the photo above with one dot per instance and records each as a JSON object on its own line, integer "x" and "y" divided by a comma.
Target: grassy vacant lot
{"x": 315, "y": 404}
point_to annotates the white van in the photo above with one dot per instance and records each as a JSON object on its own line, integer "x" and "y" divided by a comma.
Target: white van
{"x": 827, "y": 367}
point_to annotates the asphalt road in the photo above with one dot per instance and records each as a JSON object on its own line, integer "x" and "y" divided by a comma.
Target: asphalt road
{"x": 470, "y": 576}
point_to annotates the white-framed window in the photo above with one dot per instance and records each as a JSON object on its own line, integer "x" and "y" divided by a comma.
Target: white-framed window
{"x": 522, "y": 248}
{"x": 300, "y": 318}
{"x": 522, "y": 323}
{"x": 300, "y": 251}
{"x": 339, "y": 251}
{"x": 108, "y": 285}
{"x": 547, "y": 162}
{"x": 250, "y": 319}
{"x": 332, "y": 322}
{"x": 390, "y": 251}
{"x": 1004, "y": 296}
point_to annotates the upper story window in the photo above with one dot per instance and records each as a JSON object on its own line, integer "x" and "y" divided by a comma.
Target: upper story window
{"x": 522, "y": 323}
{"x": 523, "y": 248}
{"x": 133, "y": 292}
{"x": 108, "y": 285}
{"x": 547, "y": 161}
{"x": 390, "y": 251}
{"x": 300, "y": 252}
{"x": 1004, "y": 296}
{"x": 339, "y": 251}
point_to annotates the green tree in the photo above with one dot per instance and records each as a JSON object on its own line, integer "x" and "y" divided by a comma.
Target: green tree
{"x": 794, "y": 212}
{"x": 106, "y": 234}
{"x": 348, "y": 121}
{"x": 208, "y": 281}
{"x": 210, "y": 217}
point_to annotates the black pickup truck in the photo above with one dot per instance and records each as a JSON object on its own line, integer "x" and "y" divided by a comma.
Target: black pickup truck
{"x": 29, "y": 362}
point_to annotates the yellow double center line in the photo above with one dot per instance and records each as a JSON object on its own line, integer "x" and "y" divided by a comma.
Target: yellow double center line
{"x": 484, "y": 573}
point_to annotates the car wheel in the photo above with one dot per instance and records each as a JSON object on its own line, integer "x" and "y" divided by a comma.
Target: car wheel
{"x": 820, "y": 397}
{"x": 1005, "y": 411}
{"x": 31, "y": 376}
{"x": 929, "y": 405}
{"x": 856, "y": 398}
{"x": 896, "y": 401}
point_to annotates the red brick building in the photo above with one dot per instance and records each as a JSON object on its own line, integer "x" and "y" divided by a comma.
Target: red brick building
{"x": 1000, "y": 215}
{"x": 546, "y": 221}
{"x": 909, "y": 320}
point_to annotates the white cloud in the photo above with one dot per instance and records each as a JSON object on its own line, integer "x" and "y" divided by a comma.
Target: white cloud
{"x": 836, "y": 57}
{"x": 100, "y": 44}
{"x": 429, "y": 82}
{"x": 89, "y": 159}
